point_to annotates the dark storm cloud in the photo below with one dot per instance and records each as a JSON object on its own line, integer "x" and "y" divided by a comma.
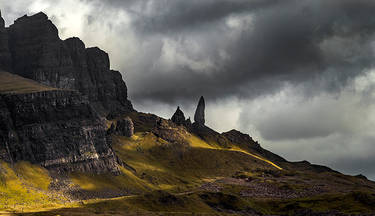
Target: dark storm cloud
{"x": 286, "y": 41}
{"x": 175, "y": 15}
{"x": 170, "y": 16}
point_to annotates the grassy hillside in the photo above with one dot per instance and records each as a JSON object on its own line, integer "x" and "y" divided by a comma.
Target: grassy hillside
{"x": 14, "y": 84}
{"x": 168, "y": 170}
{"x": 24, "y": 186}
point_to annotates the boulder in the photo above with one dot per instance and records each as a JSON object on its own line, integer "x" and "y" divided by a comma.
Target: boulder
{"x": 125, "y": 127}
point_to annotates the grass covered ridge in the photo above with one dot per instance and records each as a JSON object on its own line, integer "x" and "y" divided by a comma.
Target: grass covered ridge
{"x": 14, "y": 84}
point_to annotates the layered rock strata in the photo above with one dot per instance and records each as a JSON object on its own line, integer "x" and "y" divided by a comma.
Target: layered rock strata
{"x": 57, "y": 129}
{"x": 38, "y": 53}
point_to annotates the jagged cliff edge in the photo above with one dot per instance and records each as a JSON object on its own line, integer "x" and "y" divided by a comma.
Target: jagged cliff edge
{"x": 61, "y": 129}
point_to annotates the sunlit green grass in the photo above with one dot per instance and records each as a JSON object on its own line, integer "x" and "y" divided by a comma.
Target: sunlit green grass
{"x": 25, "y": 186}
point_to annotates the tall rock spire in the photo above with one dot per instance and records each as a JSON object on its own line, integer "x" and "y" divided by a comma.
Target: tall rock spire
{"x": 199, "y": 112}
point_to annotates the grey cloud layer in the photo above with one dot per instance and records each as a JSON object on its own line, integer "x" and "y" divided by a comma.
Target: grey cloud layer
{"x": 224, "y": 48}
{"x": 283, "y": 41}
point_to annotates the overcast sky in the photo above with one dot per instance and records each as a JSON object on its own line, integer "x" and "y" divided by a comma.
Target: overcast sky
{"x": 297, "y": 75}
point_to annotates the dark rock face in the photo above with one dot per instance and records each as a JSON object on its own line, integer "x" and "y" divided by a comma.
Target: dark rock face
{"x": 39, "y": 54}
{"x": 5, "y": 56}
{"x": 57, "y": 129}
{"x": 179, "y": 119}
{"x": 124, "y": 127}
{"x": 104, "y": 87}
{"x": 199, "y": 112}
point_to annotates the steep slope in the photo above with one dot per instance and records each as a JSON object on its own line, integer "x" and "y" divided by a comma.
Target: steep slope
{"x": 172, "y": 171}
{"x": 55, "y": 128}
{"x": 38, "y": 53}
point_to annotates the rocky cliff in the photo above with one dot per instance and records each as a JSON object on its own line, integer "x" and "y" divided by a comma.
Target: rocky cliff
{"x": 57, "y": 129}
{"x": 56, "y": 121}
{"x": 31, "y": 48}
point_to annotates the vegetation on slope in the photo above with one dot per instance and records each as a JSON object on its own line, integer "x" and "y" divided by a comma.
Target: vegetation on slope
{"x": 168, "y": 170}
{"x": 25, "y": 186}
{"x": 14, "y": 84}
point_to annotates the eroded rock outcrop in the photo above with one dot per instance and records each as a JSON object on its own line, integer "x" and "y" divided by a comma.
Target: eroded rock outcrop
{"x": 39, "y": 54}
{"x": 124, "y": 127}
{"x": 179, "y": 118}
{"x": 199, "y": 112}
{"x": 57, "y": 129}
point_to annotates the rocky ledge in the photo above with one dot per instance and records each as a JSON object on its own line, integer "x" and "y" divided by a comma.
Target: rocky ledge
{"x": 58, "y": 129}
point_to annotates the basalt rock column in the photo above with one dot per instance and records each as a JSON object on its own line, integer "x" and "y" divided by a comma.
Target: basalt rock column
{"x": 199, "y": 112}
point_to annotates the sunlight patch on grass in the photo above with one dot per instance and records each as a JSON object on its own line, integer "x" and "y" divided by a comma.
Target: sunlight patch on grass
{"x": 255, "y": 156}
{"x": 101, "y": 182}
{"x": 24, "y": 186}
{"x": 196, "y": 142}
{"x": 146, "y": 166}
{"x": 33, "y": 174}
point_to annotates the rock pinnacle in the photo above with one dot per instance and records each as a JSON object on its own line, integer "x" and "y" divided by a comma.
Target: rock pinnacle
{"x": 178, "y": 117}
{"x": 199, "y": 112}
